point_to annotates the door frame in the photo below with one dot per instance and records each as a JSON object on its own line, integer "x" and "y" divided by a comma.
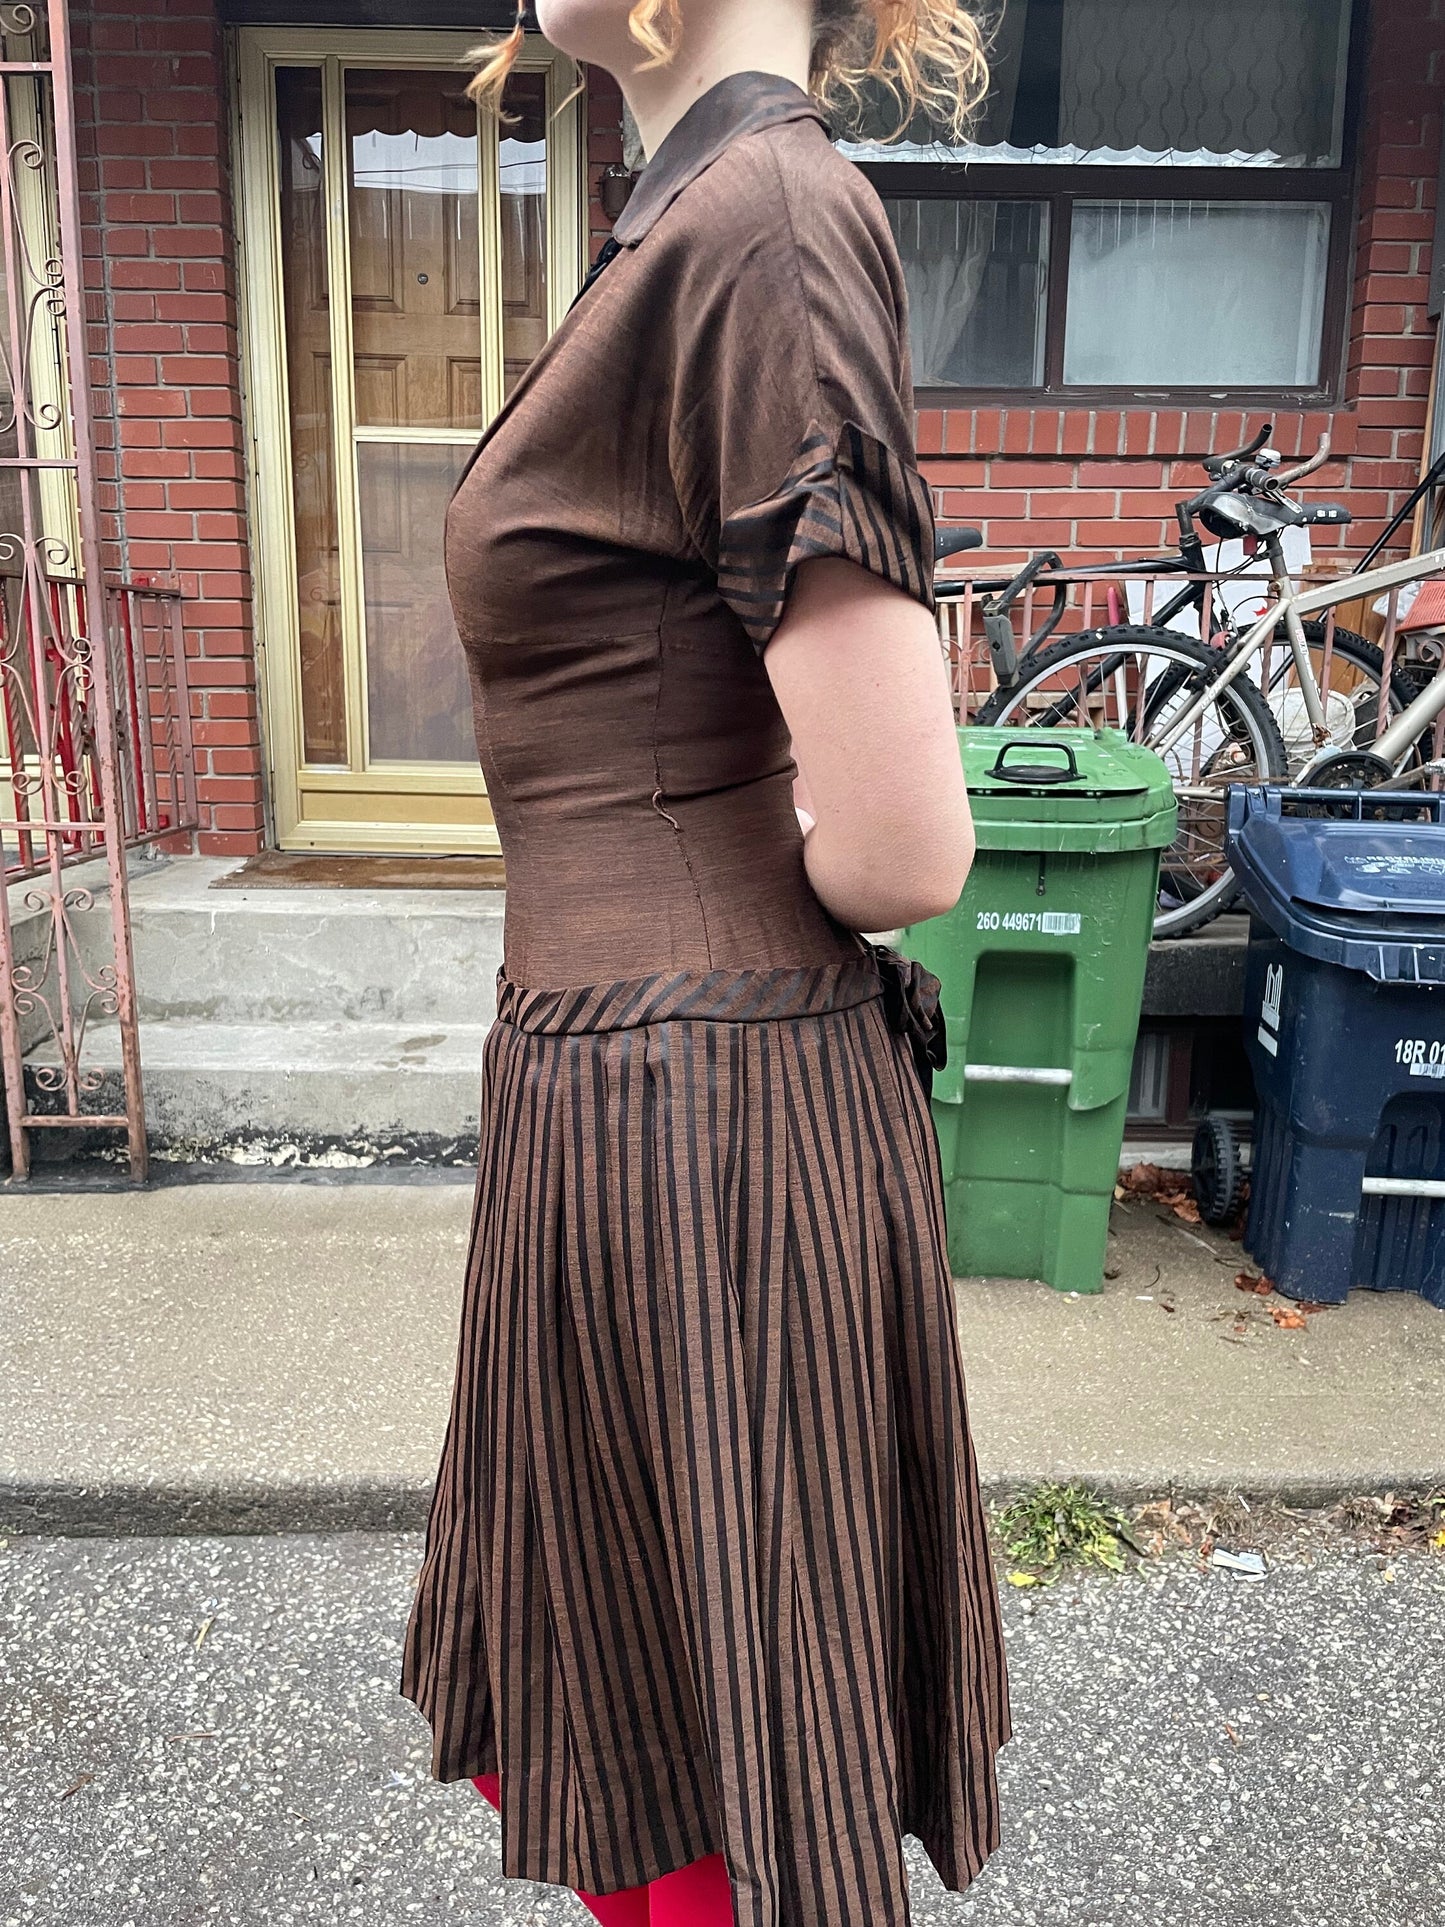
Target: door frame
{"x": 439, "y": 807}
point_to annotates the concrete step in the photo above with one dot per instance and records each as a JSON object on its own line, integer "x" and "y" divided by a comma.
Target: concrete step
{"x": 335, "y": 1092}
{"x": 257, "y": 957}
{"x": 1200, "y": 975}
{"x": 317, "y": 1026}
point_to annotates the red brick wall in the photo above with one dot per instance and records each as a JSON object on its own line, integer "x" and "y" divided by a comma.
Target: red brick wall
{"x": 161, "y": 266}
{"x": 1391, "y": 337}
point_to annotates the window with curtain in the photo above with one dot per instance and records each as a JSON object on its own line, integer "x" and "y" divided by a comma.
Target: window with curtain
{"x": 1154, "y": 199}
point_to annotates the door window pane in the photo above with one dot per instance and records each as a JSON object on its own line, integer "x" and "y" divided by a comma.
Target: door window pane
{"x": 308, "y": 377}
{"x": 1226, "y": 294}
{"x": 523, "y": 168}
{"x": 418, "y": 693}
{"x": 976, "y": 274}
{"x": 1175, "y": 83}
{"x": 413, "y": 154}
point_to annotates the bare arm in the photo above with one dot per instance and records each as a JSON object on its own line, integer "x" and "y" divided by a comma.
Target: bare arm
{"x": 861, "y": 682}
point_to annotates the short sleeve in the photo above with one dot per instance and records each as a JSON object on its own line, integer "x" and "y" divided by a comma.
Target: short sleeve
{"x": 792, "y": 425}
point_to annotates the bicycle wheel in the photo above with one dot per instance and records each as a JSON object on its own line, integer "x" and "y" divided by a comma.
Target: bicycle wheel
{"x": 1141, "y": 680}
{"x": 1349, "y": 690}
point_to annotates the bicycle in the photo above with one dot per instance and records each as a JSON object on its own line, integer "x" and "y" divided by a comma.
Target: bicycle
{"x": 1361, "y": 661}
{"x": 1319, "y": 714}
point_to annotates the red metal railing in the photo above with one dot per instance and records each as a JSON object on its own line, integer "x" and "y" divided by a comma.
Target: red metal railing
{"x": 155, "y": 770}
{"x": 94, "y": 709}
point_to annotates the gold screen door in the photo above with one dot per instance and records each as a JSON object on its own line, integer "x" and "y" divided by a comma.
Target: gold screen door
{"x": 405, "y": 258}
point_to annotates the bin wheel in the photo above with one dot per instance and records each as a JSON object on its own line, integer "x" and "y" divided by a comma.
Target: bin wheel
{"x": 1218, "y": 1170}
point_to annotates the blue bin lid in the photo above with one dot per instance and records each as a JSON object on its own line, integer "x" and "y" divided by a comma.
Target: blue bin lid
{"x": 1352, "y": 878}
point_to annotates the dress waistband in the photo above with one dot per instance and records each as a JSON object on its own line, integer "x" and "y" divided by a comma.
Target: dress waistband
{"x": 708, "y": 996}
{"x": 910, "y": 997}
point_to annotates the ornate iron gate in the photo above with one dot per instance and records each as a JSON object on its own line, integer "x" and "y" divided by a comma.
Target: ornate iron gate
{"x": 94, "y": 709}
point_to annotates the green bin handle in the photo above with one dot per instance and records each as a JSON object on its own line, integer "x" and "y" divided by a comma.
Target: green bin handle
{"x": 1034, "y": 772}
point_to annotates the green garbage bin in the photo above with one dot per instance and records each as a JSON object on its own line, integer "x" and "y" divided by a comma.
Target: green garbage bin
{"x": 1042, "y": 966}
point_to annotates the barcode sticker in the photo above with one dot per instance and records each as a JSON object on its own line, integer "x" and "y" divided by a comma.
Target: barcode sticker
{"x": 1045, "y": 923}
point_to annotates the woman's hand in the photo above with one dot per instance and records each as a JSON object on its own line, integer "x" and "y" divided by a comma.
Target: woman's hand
{"x": 860, "y": 677}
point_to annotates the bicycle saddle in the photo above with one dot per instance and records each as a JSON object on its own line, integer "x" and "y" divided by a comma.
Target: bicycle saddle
{"x": 954, "y": 541}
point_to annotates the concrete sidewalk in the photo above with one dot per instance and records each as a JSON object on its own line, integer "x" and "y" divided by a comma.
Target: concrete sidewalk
{"x": 269, "y": 1356}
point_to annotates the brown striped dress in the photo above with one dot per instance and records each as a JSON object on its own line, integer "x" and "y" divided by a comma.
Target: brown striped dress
{"x": 706, "y": 1570}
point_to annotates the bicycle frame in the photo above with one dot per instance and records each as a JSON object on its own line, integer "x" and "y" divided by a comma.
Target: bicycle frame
{"x": 1291, "y": 608}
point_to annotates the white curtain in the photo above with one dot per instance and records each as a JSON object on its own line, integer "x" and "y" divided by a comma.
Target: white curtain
{"x": 1210, "y": 293}
{"x": 945, "y": 247}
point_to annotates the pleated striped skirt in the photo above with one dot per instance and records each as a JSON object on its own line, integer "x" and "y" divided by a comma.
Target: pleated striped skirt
{"x": 706, "y": 1568}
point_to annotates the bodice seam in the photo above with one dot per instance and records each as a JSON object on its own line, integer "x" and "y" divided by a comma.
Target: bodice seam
{"x": 658, "y": 792}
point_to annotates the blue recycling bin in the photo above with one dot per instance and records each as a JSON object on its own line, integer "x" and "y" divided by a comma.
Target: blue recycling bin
{"x": 1345, "y": 1027}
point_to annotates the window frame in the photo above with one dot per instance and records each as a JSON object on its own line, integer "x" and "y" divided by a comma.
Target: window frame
{"x": 1059, "y": 185}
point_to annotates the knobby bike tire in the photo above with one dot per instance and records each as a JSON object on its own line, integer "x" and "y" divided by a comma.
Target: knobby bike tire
{"x": 1243, "y": 696}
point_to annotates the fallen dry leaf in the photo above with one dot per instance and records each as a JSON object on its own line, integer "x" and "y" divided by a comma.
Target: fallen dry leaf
{"x": 1153, "y": 1181}
{"x": 1142, "y": 1180}
{"x": 1289, "y": 1318}
{"x": 1251, "y": 1281}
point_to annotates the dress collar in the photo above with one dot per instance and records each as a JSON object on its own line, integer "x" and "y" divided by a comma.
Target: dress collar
{"x": 741, "y": 104}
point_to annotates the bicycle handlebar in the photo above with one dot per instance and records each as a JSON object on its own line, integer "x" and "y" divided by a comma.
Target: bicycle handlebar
{"x": 1229, "y": 475}
{"x": 1217, "y": 465}
{"x": 1287, "y": 477}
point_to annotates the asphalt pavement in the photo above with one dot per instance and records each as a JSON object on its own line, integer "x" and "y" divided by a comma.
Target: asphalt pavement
{"x": 207, "y": 1730}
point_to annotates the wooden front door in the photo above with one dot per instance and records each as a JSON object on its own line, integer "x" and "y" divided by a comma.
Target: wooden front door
{"x": 405, "y": 260}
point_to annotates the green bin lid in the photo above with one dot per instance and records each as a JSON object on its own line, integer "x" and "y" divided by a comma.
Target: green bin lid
{"x": 1066, "y": 789}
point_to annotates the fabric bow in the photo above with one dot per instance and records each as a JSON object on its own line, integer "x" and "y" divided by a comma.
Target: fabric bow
{"x": 911, "y": 1004}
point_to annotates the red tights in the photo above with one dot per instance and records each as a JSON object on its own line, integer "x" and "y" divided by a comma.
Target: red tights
{"x": 695, "y": 1896}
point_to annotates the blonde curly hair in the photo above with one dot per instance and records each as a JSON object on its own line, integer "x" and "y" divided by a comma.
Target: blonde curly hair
{"x": 928, "y": 56}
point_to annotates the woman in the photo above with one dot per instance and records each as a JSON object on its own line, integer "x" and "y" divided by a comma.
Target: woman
{"x": 706, "y": 1605}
